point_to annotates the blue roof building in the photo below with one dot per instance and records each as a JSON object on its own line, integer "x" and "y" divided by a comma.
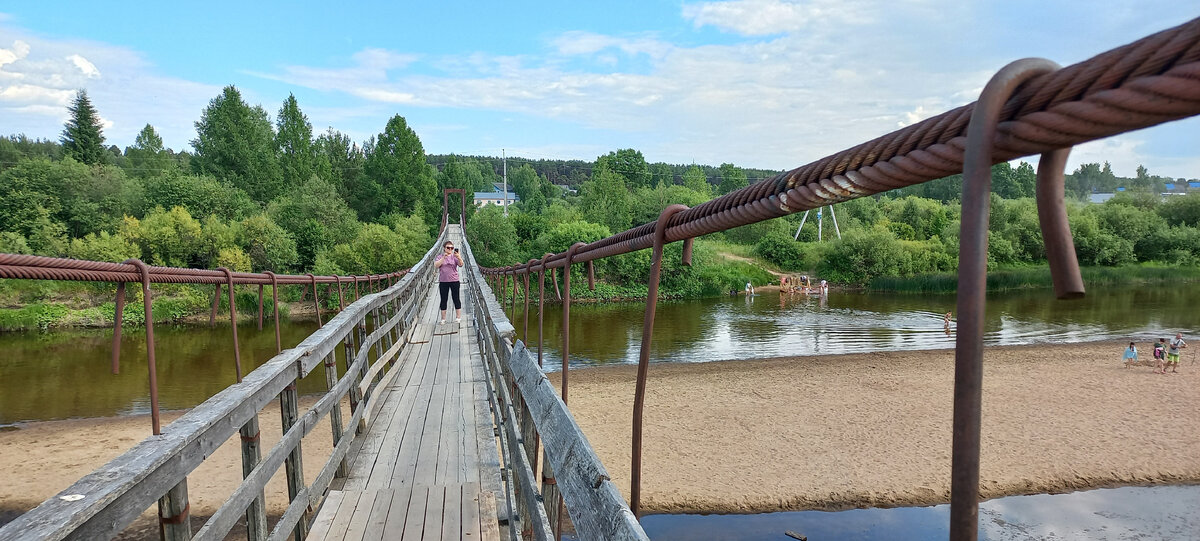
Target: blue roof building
{"x": 483, "y": 199}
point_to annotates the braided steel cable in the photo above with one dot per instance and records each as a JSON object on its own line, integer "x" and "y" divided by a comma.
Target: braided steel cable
{"x": 1148, "y": 82}
{"x": 33, "y": 267}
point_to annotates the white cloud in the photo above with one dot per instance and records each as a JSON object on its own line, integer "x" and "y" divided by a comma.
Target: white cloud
{"x": 765, "y": 17}
{"x": 584, "y": 43}
{"x": 39, "y": 77}
{"x": 89, "y": 70}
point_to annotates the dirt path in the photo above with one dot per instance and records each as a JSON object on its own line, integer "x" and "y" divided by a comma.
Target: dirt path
{"x": 751, "y": 261}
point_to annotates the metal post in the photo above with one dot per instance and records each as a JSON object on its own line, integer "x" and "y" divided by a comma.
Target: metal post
{"x": 639, "y": 394}
{"x": 972, "y": 287}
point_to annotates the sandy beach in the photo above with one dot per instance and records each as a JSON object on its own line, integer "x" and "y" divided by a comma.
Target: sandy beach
{"x": 792, "y": 433}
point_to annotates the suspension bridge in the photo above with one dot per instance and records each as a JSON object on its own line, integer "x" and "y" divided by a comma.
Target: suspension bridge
{"x": 454, "y": 431}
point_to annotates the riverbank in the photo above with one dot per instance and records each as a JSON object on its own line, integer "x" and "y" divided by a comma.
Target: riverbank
{"x": 873, "y": 430}
{"x": 822, "y": 432}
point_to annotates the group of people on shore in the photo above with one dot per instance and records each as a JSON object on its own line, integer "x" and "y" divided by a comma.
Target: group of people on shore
{"x": 802, "y": 285}
{"x": 1166, "y": 354}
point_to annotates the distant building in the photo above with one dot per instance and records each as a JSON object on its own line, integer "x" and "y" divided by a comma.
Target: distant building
{"x": 483, "y": 199}
{"x": 1169, "y": 185}
{"x": 1093, "y": 198}
{"x": 566, "y": 188}
{"x": 1192, "y": 185}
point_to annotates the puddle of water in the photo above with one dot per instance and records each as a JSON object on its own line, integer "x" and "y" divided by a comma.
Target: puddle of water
{"x": 1118, "y": 514}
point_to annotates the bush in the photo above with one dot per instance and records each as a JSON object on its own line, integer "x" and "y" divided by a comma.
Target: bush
{"x": 781, "y": 250}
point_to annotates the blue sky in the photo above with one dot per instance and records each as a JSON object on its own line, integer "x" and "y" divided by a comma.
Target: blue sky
{"x": 760, "y": 83}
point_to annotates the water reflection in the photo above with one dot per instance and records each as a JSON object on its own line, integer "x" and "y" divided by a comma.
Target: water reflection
{"x": 1171, "y": 512}
{"x": 771, "y": 325}
{"x": 66, "y": 373}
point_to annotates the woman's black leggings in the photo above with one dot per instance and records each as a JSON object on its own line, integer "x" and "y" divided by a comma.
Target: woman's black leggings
{"x": 449, "y": 287}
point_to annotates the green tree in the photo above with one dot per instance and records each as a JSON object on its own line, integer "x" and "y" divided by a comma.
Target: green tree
{"x": 298, "y": 156}
{"x": 271, "y": 248}
{"x": 694, "y": 179}
{"x": 606, "y": 200}
{"x": 202, "y": 195}
{"x": 147, "y": 157}
{"x": 732, "y": 178}
{"x": 82, "y": 137}
{"x": 396, "y": 163}
{"x": 629, "y": 164}
{"x": 166, "y": 237}
{"x": 493, "y": 237}
{"x": 661, "y": 174}
{"x": 345, "y": 160}
{"x": 235, "y": 142}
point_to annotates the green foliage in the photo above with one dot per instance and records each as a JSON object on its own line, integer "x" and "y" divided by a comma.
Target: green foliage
{"x": 648, "y": 203}
{"x": 606, "y": 200}
{"x": 1181, "y": 210}
{"x": 299, "y": 159}
{"x": 694, "y": 179}
{"x": 493, "y": 237}
{"x": 315, "y": 216}
{"x": 169, "y": 238}
{"x": 202, "y": 195}
{"x": 733, "y": 178}
{"x": 862, "y": 255}
{"x": 104, "y": 247}
{"x": 235, "y": 142}
{"x": 395, "y": 163}
{"x": 561, "y": 236}
{"x": 14, "y": 243}
{"x": 271, "y": 248}
{"x": 234, "y": 259}
{"x": 34, "y": 316}
{"x": 147, "y": 158}
{"x": 782, "y": 250}
{"x": 82, "y": 138}
{"x": 629, "y": 164}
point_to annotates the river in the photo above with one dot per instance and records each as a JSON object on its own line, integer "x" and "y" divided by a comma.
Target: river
{"x": 65, "y": 373}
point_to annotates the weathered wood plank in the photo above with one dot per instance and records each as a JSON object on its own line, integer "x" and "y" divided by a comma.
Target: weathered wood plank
{"x": 414, "y": 525}
{"x": 449, "y": 327}
{"x": 345, "y": 512}
{"x": 373, "y": 528}
{"x": 434, "y": 510}
{"x": 357, "y": 526}
{"x": 394, "y": 527}
{"x": 488, "y": 523}
{"x": 469, "y": 504}
{"x": 427, "y": 456}
{"x": 321, "y": 524}
{"x": 452, "y": 513}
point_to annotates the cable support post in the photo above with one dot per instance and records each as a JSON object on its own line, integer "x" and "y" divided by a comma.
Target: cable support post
{"x": 237, "y": 352}
{"x": 639, "y": 395}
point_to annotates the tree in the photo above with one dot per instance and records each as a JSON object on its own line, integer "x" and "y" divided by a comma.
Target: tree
{"x": 396, "y": 163}
{"x": 82, "y": 137}
{"x": 147, "y": 157}
{"x": 493, "y": 237}
{"x": 235, "y": 142}
{"x": 345, "y": 159}
{"x": 732, "y": 178}
{"x": 270, "y": 247}
{"x": 694, "y": 179}
{"x": 298, "y": 157}
{"x": 629, "y": 164}
{"x": 606, "y": 200}
{"x": 315, "y": 215}
{"x": 661, "y": 175}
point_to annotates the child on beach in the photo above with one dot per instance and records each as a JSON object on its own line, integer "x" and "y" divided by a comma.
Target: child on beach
{"x": 1160, "y": 355}
{"x": 1130, "y": 355}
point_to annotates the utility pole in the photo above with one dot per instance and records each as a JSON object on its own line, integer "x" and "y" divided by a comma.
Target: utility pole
{"x": 504, "y": 161}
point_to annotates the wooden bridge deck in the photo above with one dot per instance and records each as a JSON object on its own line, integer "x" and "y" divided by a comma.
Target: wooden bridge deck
{"x": 427, "y": 467}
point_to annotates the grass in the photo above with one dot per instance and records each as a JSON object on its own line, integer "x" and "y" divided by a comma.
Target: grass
{"x": 1039, "y": 278}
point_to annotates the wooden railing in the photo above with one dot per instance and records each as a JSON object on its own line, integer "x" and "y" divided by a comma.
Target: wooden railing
{"x": 106, "y": 501}
{"x": 529, "y": 412}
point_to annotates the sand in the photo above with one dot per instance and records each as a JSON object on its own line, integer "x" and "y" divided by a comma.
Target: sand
{"x": 845, "y": 431}
{"x": 794, "y": 433}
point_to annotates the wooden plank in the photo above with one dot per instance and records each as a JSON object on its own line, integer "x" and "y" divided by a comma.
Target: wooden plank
{"x": 469, "y": 504}
{"x": 449, "y": 454}
{"x": 403, "y": 470}
{"x": 394, "y": 527}
{"x": 345, "y": 512}
{"x": 452, "y": 513}
{"x": 449, "y": 327}
{"x": 321, "y": 524}
{"x": 434, "y": 512}
{"x": 384, "y": 502}
{"x": 357, "y": 527}
{"x": 385, "y": 460}
{"x": 420, "y": 334}
{"x": 414, "y": 525}
{"x": 427, "y": 457}
{"x": 489, "y": 523}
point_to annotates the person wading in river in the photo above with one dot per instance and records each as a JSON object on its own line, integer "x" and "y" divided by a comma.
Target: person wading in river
{"x": 447, "y": 265}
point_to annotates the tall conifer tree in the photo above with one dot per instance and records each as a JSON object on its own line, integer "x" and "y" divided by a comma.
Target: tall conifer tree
{"x": 82, "y": 138}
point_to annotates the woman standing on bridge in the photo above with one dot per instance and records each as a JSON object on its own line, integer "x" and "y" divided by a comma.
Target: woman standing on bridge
{"x": 447, "y": 265}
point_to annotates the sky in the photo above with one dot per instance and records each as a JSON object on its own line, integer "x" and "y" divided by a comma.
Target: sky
{"x": 770, "y": 84}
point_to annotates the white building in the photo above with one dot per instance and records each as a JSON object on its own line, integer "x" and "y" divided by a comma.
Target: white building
{"x": 483, "y": 199}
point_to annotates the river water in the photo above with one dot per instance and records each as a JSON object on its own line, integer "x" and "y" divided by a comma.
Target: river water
{"x": 64, "y": 374}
